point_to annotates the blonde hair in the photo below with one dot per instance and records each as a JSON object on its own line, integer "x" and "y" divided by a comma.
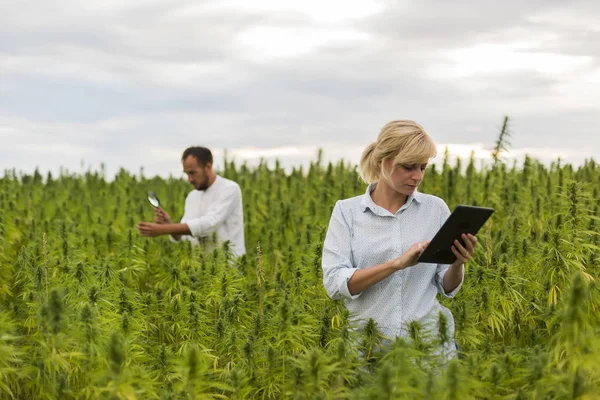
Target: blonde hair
{"x": 405, "y": 141}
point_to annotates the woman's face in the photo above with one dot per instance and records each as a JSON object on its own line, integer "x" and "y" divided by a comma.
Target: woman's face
{"x": 404, "y": 178}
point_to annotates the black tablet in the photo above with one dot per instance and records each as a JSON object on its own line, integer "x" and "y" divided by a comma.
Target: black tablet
{"x": 464, "y": 219}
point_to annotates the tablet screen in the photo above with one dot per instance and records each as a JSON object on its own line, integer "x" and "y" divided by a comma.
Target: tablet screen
{"x": 464, "y": 219}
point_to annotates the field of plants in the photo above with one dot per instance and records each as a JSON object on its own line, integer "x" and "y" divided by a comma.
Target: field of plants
{"x": 91, "y": 310}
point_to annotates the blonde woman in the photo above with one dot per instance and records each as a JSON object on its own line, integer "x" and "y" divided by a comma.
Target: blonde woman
{"x": 374, "y": 240}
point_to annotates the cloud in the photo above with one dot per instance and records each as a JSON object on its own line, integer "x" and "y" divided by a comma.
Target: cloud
{"x": 104, "y": 81}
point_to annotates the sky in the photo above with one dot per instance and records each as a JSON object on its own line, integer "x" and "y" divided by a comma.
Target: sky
{"x": 131, "y": 84}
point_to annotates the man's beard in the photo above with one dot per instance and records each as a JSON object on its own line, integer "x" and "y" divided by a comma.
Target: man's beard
{"x": 203, "y": 185}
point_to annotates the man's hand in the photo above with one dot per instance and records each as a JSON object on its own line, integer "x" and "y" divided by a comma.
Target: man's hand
{"x": 152, "y": 229}
{"x": 149, "y": 229}
{"x": 161, "y": 216}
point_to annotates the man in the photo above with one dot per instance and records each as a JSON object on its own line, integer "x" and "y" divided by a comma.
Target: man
{"x": 214, "y": 206}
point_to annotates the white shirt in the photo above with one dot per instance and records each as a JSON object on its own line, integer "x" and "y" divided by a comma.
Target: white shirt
{"x": 218, "y": 208}
{"x": 362, "y": 234}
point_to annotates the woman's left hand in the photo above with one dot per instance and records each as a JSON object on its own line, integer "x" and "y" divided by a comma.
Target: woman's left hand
{"x": 466, "y": 252}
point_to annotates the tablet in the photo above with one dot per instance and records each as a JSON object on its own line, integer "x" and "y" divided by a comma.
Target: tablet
{"x": 464, "y": 219}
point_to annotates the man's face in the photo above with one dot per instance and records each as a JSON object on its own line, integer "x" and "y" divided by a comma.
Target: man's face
{"x": 196, "y": 173}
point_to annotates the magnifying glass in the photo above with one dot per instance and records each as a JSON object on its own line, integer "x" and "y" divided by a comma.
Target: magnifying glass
{"x": 153, "y": 199}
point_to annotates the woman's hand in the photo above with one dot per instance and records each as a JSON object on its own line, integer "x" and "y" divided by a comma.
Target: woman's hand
{"x": 364, "y": 278}
{"x": 466, "y": 252}
{"x": 410, "y": 256}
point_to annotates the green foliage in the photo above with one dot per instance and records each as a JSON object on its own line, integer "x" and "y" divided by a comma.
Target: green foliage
{"x": 89, "y": 309}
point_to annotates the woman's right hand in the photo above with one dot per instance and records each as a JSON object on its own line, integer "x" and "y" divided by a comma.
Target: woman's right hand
{"x": 364, "y": 278}
{"x": 410, "y": 256}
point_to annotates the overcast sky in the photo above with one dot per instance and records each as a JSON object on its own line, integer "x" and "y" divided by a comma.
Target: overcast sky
{"x": 133, "y": 83}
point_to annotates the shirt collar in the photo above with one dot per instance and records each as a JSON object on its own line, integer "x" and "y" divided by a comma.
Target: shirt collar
{"x": 368, "y": 203}
{"x": 214, "y": 184}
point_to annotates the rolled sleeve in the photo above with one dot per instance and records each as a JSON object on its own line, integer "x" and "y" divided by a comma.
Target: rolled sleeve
{"x": 199, "y": 226}
{"x": 439, "y": 280}
{"x": 181, "y": 238}
{"x": 337, "y": 257}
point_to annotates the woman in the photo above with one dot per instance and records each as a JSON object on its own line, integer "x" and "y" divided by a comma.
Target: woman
{"x": 374, "y": 240}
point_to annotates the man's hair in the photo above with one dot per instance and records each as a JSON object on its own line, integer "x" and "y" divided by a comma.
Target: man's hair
{"x": 201, "y": 154}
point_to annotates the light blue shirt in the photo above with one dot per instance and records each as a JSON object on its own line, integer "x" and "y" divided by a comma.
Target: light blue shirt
{"x": 362, "y": 234}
